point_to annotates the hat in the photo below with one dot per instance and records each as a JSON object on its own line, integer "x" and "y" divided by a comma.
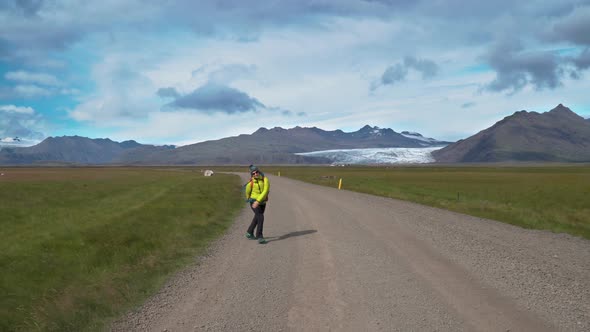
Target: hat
{"x": 253, "y": 168}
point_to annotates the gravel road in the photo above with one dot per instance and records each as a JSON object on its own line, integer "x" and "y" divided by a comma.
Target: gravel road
{"x": 343, "y": 261}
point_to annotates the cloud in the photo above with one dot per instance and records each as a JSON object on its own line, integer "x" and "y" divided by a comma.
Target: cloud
{"x": 515, "y": 68}
{"x": 31, "y": 91}
{"x": 428, "y": 68}
{"x": 399, "y": 71}
{"x": 29, "y": 7}
{"x": 307, "y": 55}
{"x": 574, "y": 27}
{"x": 111, "y": 108}
{"x": 394, "y": 3}
{"x": 34, "y": 91}
{"x": 543, "y": 66}
{"x": 20, "y": 121}
{"x": 582, "y": 61}
{"x": 245, "y": 19}
{"x": 468, "y": 105}
{"x": 213, "y": 97}
{"x": 28, "y": 77}
{"x": 287, "y": 112}
{"x": 230, "y": 73}
{"x": 16, "y": 109}
{"x": 39, "y": 26}
{"x": 33, "y": 85}
{"x": 168, "y": 93}
{"x": 394, "y": 74}
{"x": 33, "y": 29}
{"x": 69, "y": 92}
{"x": 122, "y": 90}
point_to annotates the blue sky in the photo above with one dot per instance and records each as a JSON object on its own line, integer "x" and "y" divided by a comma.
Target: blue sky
{"x": 181, "y": 72}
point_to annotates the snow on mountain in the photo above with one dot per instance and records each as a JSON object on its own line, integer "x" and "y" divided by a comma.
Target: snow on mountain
{"x": 10, "y": 139}
{"x": 377, "y": 155}
{"x": 16, "y": 142}
{"x": 418, "y": 136}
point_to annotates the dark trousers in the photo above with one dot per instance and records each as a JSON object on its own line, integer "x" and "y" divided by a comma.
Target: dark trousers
{"x": 258, "y": 220}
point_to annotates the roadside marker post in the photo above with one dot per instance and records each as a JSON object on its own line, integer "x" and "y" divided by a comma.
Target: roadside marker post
{"x": 340, "y": 184}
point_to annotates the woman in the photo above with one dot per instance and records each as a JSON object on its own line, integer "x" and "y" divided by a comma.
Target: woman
{"x": 257, "y": 196}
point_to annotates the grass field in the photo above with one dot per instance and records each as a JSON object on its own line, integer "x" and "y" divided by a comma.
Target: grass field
{"x": 555, "y": 198}
{"x": 78, "y": 246}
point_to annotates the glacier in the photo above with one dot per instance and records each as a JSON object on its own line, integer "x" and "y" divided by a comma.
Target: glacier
{"x": 376, "y": 155}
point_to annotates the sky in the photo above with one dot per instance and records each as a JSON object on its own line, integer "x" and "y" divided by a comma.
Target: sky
{"x": 187, "y": 71}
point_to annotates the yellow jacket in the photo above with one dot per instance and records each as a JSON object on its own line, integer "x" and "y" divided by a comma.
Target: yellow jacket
{"x": 257, "y": 189}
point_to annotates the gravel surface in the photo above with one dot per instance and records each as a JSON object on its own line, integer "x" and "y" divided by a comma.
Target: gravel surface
{"x": 344, "y": 261}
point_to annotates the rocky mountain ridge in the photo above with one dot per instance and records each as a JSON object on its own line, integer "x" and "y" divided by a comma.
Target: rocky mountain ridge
{"x": 559, "y": 135}
{"x": 276, "y": 145}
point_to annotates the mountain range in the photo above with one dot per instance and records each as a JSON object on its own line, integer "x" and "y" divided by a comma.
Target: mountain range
{"x": 559, "y": 135}
{"x": 264, "y": 146}
{"x": 73, "y": 150}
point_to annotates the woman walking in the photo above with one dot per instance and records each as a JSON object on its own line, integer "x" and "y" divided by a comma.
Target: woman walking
{"x": 257, "y": 196}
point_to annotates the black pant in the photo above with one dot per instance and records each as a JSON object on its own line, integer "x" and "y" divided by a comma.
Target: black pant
{"x": 258, "y": 220}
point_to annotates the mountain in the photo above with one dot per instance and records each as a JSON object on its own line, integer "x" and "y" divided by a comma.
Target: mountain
{"x": 71, "y": 149}
{"x": 278, "y": 146}
{"x": 264, "y": 146}
{"x": 559, "y": 135}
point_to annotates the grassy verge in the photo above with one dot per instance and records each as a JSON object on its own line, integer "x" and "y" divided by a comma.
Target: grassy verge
{"x": 555, "y": 198}
{"x": 80, "y": 246}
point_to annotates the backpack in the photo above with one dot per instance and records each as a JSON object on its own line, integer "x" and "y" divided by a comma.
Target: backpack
{"x": 251, "y": 183}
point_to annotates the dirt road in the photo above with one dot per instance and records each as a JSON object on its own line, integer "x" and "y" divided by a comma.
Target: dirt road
{"x": 343, "y": 261}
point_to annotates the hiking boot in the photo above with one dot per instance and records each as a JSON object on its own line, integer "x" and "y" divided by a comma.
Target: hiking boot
{"x": 250, "y": 236}
{"x": 262, "y": 240}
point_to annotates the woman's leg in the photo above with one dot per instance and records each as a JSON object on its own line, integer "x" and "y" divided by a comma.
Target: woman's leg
{"x": 260, "y": 216}
{"x": 253, "y": 223}
{"x": 257, "y": 221}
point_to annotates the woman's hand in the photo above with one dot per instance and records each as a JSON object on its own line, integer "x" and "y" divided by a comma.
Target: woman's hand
{"x": 255, "y": 204}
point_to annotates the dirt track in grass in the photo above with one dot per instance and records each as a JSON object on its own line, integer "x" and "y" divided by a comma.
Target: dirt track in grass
{"x": 344, "y": 261}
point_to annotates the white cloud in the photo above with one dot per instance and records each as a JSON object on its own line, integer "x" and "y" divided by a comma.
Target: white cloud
{"x": 122, "y": 90}
{"x": 326, "y": 74}
{"x": 178, "y": 127}
{"x": 34, "y": 85}
{"x": 17, "y": 109}
{"x": 32, "y": 91}
{"x": 69, "y": 92}
{"x": 293, "y": 56}
{"x": 22, "y": 122}
{"x": 33, "y": 78}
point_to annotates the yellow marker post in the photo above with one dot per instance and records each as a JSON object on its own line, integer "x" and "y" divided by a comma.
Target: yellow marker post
{"x": 279, "y": 173}
{"x": 340, "y": 184}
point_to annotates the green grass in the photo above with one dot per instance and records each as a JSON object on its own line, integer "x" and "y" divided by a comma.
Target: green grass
{"x": 80, "y": 246}
{"x": 555, "y": 198}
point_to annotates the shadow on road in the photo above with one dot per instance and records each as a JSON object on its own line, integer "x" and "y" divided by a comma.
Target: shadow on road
{"x": 292, "y": 234}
